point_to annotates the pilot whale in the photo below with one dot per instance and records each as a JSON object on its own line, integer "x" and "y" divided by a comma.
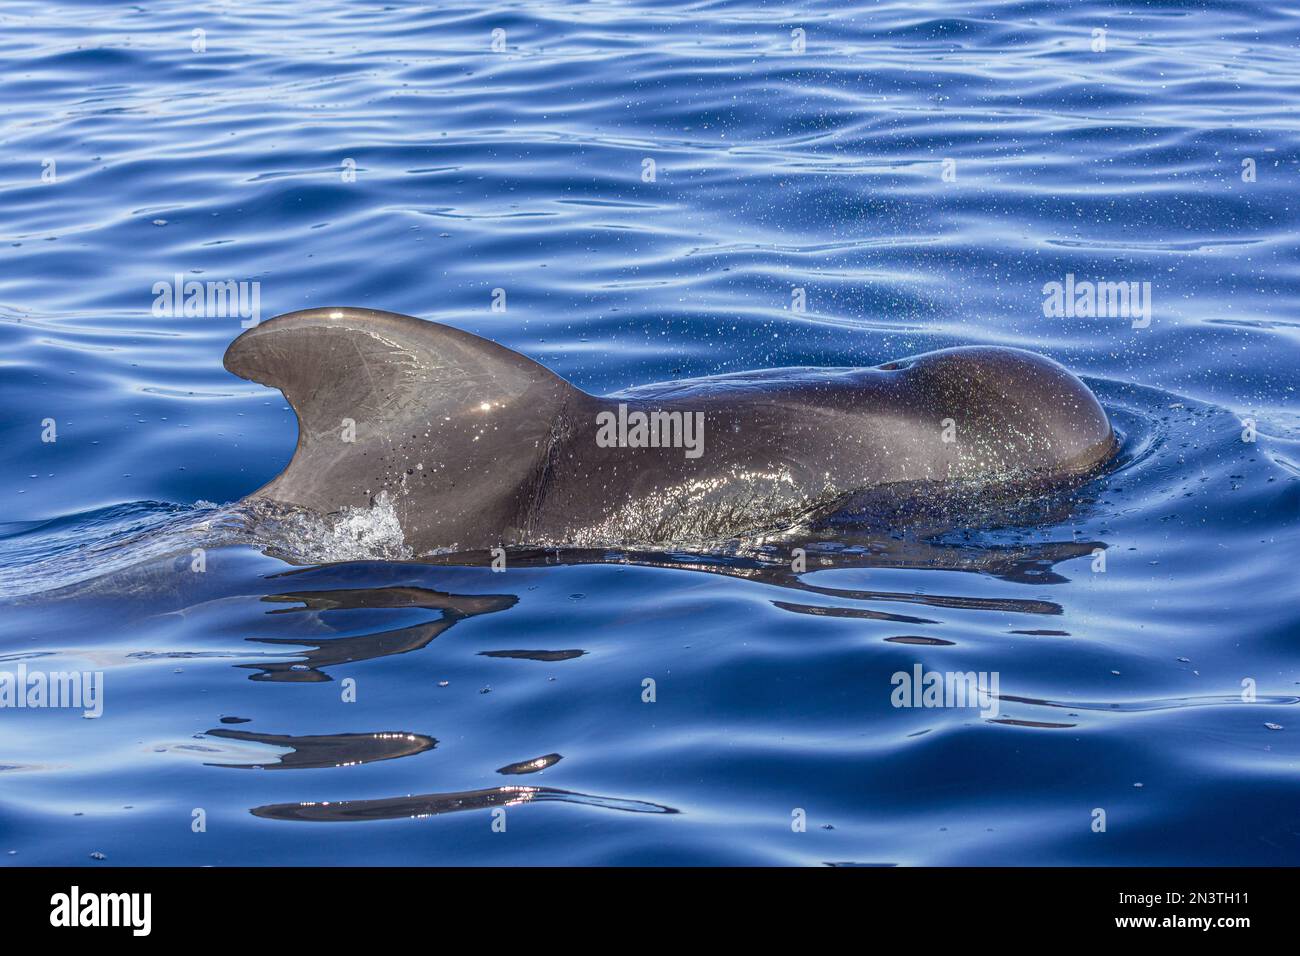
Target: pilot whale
{"x": 476, "y": 446}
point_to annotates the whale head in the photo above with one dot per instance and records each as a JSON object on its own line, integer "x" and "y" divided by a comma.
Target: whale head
{"x": 1004, "y": 412}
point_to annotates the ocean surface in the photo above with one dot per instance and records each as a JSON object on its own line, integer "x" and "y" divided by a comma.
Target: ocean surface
{"x": 651, "y": 184}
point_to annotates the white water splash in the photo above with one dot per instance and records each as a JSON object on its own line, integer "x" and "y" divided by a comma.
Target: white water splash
{"x": 40, "y": 557}
{"x": 353, "y": 534}
{"x": 44, "y": 556}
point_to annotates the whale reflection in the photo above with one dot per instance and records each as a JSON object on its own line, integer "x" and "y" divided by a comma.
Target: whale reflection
{"x": 432, "y": 804}
{"x": 1022, "y": 563}
{"x": 1028, "y": 563}
{"x": 327, "y": 652}
{"x": 325, "y": 750}
{"x": 545, "y": 656}
{"x": 1033, "y": 563}
{"x": 531, "y": 766}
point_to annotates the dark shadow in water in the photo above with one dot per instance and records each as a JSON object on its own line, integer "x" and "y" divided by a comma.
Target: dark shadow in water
{"x": 549, "y": 656}
{"x": 858, "y": 613}
{"x": 327, "y": 750}
{"x": 1032, "y": 563}
{"x": 429, "y": 804}
{"x": 787, "y": 567}
{"x": 531, "y": 766}
{"x": 1168, "y": 703}
{"x": 330, "y": 652}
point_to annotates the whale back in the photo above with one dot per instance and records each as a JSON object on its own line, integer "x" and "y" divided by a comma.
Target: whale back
{"x": 476, "y": 446}
{"x": 422, "y": 411}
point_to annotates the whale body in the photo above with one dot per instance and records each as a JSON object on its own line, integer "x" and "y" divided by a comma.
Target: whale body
{"x": 476, "y": 446}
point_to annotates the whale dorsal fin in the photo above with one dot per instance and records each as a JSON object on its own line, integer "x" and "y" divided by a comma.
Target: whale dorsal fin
{"x": 389, "y": 402}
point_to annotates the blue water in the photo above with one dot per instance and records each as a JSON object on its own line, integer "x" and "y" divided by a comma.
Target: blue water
{"x": 1122, "y": 689}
